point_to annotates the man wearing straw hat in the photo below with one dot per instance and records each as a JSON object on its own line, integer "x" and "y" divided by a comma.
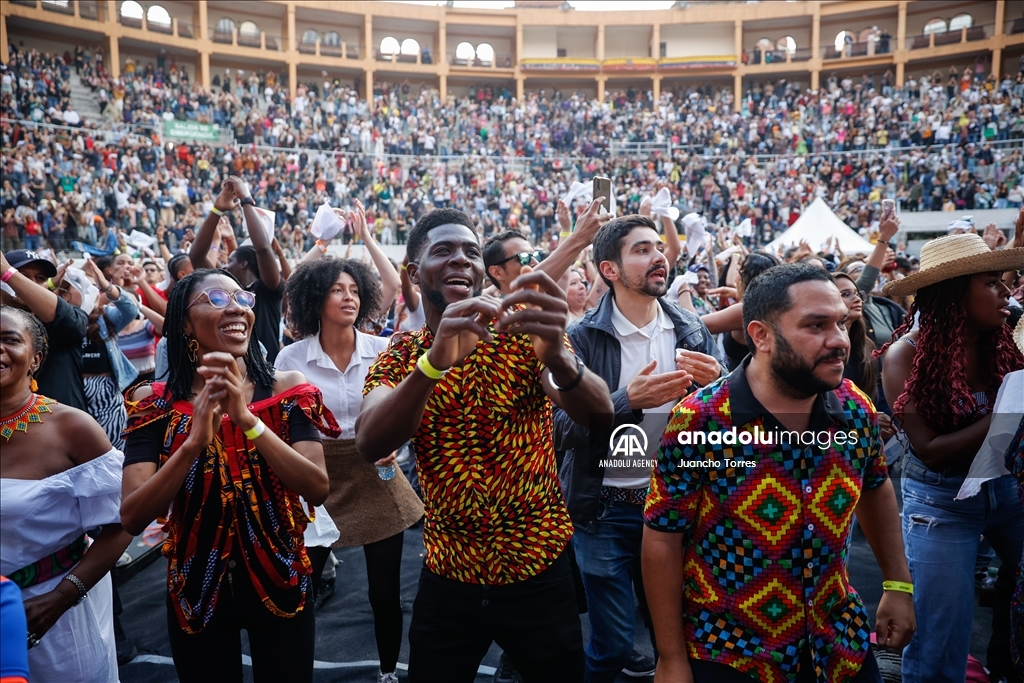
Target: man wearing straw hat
{"x": 942, "y": 379}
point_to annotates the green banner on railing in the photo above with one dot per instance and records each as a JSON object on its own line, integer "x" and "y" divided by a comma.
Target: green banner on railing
{"x": 192, "y": 130}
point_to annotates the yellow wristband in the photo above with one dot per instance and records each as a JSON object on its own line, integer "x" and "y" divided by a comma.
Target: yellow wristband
{"x": 49, "y": 284}
{"x": 898, "y": 586}
{"x": 256, "y": 431}
{"x": 216, "y": 212}
{"x": 429, "y": 370}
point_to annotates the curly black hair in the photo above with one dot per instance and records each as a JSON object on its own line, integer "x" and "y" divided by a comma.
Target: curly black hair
{"x": 35, "y": 327}
{"x": 181, "y": 370}
{"x": 308, "y": 288}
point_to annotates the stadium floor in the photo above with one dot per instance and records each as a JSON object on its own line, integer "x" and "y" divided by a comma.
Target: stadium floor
{"x": 345, "y": 649}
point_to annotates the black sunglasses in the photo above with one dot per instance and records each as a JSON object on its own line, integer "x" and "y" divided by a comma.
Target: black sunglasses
{"x": 524, "y": 258}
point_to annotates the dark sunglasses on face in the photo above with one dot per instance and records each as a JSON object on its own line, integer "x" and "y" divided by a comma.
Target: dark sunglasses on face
{"x": 220, "y": 298}
{"x": 855, "y": 294}
{"x": 524, "y": 258}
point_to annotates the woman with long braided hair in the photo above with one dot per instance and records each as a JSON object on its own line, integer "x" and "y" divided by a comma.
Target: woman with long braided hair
{"x": 229, "y": 445}
{"x": 942, "y": 379}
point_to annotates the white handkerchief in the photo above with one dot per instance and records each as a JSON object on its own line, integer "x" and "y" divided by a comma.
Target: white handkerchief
{"x": 990, "y": 462}
{"x": 694, "y": 224}
{"x": 140, "y": 240}
{"x": 81, "y": 282}
{"x": 267, "y": 220}
{"x": 661, "y": 205}
{"x": 579, "y": 190}
{"x": 326, "y": 224}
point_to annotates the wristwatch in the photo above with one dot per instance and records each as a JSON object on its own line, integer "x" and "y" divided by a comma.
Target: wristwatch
{"x": 247, "y": 200}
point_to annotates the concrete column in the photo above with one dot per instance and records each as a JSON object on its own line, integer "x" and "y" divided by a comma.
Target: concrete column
{"x": 656, "y": 89}
{"x": 3, "y": 36}
{"x": 1000, "y": 20}
{"x": 520, "y": 88}
{"x": 997, "y": 59}
{"x": 368, "y": 46}
{"x": 441, "y": 54}
{"x": 816, "y": 34}
{"x": 737, "y": 86}
{"x": 111, "y": 12}
{"x": 601, "y": 82}
{"x": 201, "y": 19}
{"x": 900, "y": 73}
{"x": 442, "y": 86}
{"x": 519, "y": 41}
{"x": 368, "y": 77}
{"x": 737, "y": 40}
{"x": 293, "y": 77}
{"x": 204, "y": 69}
{"x": 656, "y": 41}
{"x": 815, "y": 79}
{"x": 901, "y": 26}
{"x": 290, "y": 38}
{"x": 114, "y": 56}
{"x": 600, "y": 42}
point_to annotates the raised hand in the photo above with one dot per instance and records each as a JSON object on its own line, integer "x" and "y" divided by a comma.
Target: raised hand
{"x": 591, "y": 220}
{"x": 993, "y": 236}
{"x": 564, "y": 217}
{"x": 543, "y": 317}
{"x": 1018, "y": 235}
{"x": 888, "y": 228}
{"x": 356, "y": 216}
{"x": 135, "y": 275}
{"x": 462, "y": 325}
{"x": 645, "y": 206}
{"x": 648, "y": 390}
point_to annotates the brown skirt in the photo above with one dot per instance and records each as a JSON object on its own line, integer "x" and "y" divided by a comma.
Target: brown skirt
{"x": 364, "y": 507}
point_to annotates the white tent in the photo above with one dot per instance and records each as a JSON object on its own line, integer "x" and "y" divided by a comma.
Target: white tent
{"x": 817, "y": 225}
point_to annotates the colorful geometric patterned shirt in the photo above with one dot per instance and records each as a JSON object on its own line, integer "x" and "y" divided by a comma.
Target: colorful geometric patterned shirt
{"x": 767, "y": 526}
{"x": 494, "y": 512}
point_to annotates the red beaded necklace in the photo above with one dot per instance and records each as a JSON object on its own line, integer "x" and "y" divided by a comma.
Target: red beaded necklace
{"x": 30, "y": 414}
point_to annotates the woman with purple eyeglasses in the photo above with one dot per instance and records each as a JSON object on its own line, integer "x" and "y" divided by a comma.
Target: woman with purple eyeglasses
{"x": 229, "y": 445}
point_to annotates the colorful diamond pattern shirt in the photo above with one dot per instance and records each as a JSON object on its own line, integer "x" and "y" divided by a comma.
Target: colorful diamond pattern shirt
{"x": 767, "y": 527}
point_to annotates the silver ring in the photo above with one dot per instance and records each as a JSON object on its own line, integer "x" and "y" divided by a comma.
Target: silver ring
{"x": 32, "y": 640}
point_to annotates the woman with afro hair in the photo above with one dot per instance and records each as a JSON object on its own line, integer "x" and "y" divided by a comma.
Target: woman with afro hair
{"x": 327, "y": 301}
{"x": 942, "y": 379}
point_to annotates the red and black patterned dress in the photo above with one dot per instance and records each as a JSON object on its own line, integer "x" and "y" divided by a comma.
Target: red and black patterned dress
{"x": 232, "y": 504}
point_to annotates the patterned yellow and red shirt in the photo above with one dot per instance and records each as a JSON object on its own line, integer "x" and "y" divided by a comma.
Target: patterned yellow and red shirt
{"x": 767, "y": 528}
{"x": 494, "y": 512}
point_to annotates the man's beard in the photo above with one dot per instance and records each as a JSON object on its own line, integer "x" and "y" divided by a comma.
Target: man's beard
{"x": 652, "y": 289}
{"x": 794, "y": 376}
{"x": 436, "y": 298}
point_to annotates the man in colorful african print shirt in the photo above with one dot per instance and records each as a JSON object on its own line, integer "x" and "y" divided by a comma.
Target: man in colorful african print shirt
{"x": 473, "y": 392}
{"x": 751, "y": 505}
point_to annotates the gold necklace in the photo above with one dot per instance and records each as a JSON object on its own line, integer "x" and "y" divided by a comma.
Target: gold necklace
{"x": 30, "y": 414}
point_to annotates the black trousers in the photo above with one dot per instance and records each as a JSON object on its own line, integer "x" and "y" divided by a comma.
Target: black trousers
{"x": 710, "y": 672}
{"x": 281, "y": 647}
{"x": 535, "y": 622}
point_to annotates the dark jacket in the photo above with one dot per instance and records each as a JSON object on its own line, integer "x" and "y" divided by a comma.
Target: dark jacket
{"x": 594, "y": 341}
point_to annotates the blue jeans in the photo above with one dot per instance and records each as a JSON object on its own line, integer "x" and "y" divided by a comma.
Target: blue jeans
{"x": 609, "y": 562}
{"x": 941, "y": 537}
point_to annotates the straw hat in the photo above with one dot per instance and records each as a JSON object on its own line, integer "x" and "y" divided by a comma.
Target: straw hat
{"x": 1018, "y": 334}
{"x": 949, "y": 257}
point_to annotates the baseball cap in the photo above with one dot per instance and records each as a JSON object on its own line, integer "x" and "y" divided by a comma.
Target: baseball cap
{"x": 19, "y": 258}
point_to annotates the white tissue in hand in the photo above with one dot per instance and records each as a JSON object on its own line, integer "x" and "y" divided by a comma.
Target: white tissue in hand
{"x": 326, "y": 224}
{"x": 694, "y": 224}
{"x": 267, "y": 220}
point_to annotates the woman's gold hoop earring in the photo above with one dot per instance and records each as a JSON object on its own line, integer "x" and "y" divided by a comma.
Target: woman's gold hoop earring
{"x": 193, "y": 349}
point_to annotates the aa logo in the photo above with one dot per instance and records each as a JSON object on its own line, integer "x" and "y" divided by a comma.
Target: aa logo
{"x": 628, "y": 441}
